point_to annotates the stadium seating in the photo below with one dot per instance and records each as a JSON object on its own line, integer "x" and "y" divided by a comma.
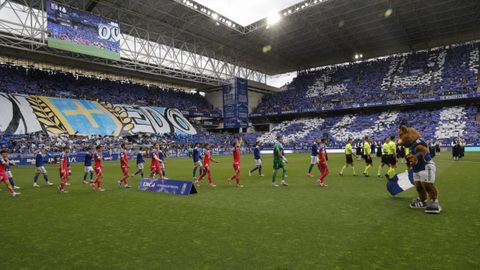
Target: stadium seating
{"x": 445, "y": 71}
{"x": 442, "y": 125}
{"x": 22, "y": 80}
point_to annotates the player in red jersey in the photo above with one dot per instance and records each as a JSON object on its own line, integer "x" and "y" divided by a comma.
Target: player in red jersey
{"x": 98, "y": 168}
{"x": 236, "y": 164}
{"x": 322, "y": 162}
{"x": 3, "y": 173}
{"x": 63, "y": 170}
{"x": 155, "y": 167}
{"x": 206, "y": 168}
{"x": 123, "y": 182}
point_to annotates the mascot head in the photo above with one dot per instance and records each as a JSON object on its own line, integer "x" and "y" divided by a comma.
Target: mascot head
{"x": 407, "y": 135}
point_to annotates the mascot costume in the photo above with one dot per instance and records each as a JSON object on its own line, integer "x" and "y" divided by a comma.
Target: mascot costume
{"x": 421, "y": 169}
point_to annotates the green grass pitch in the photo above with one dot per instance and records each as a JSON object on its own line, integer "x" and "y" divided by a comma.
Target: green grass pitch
{"x": 352, "y": 224}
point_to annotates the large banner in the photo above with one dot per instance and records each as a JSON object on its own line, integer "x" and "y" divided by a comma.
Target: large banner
{"x": 29, "y": 114}
{"x": 82, "y": 32}
{"x": 235, "y": 104}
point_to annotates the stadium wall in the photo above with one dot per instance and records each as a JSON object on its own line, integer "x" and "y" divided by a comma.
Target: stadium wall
{"x": 216, "y": 99}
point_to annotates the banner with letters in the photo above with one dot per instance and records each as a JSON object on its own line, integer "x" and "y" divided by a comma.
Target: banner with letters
{"x": 30, "y": 114}
{"x": 176, "y": 187}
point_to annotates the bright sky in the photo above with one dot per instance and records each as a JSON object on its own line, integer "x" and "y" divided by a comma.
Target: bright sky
{"x": 245, "y": 12}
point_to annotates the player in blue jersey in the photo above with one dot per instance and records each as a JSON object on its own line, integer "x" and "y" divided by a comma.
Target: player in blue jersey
{"x": 40, "y": 168}
{"x": 313, "y": 156}
{"x": 197, "y": 160}
{"x": 87, "y": 164}
{"x": 258, "y": 160}
{"x": 140, "y": 162}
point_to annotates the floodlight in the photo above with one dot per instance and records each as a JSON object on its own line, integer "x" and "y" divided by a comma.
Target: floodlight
{"x": 215, "y": 16}
{"x": 273, "y": 19}
{"x": 388, "y": 13}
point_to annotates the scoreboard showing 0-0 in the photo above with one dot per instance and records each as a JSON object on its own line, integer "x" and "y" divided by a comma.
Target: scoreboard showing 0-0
{"x": 109, "y": 32}
{"x": 82, "y": 32}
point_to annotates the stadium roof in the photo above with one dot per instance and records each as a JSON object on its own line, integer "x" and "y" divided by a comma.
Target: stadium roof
{"x": 331, "y": 31}
{"x": 316, "y": 33}
{"x": 247, "y": 12}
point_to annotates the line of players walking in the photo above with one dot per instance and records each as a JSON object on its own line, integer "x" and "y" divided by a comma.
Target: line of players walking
{"x": 93, "y": 164}
{"x": 390, "y": 153}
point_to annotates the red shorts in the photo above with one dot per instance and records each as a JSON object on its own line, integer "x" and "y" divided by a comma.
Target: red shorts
{"x": 236, "y": 166}
{"x": 3, "y": 177}
{"x": 323, "y": 167}
{"x": 63, "y": 173}
{"x": 155, "y": 168}
{"x": 124, "y": 170}
{"x": 98, "y": 170}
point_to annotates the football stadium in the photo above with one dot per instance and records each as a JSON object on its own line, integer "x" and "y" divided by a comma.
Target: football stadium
{"x": 234, "y": 134}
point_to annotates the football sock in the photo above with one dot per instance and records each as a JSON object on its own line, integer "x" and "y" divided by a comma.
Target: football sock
{"x": 391, "y": 172}
{"x": 343, "y": 168}
{"x": 35, "y": 178}
{"x": 310, "y": 168}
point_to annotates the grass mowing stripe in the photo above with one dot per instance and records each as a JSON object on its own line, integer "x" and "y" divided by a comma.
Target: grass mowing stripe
{"x": 351, "y": 224}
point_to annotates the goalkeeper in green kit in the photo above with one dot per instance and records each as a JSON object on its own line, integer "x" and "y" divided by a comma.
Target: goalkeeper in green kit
{"x": 279, "y": 161}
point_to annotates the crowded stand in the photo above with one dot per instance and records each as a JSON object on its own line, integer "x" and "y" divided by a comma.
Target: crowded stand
{"x": 440, "y": 72}
{"x": 31, "y": 81}
{"x": 450, "y": 70}
{"x": 445, "y": 124}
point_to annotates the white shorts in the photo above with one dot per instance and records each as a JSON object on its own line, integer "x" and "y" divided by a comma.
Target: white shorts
{"x": 313, "y": 159}
{"x": 140, "y": 166}
{"x": 197, "y": 164}
{"x": 258, "y": 162}
{"x": 427, "y": 175}
{"x": 162, "y": 165}
{"x": 88, "y": 169}
{"x": 40, "y": 170}
{"x": 9, "y": 174}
